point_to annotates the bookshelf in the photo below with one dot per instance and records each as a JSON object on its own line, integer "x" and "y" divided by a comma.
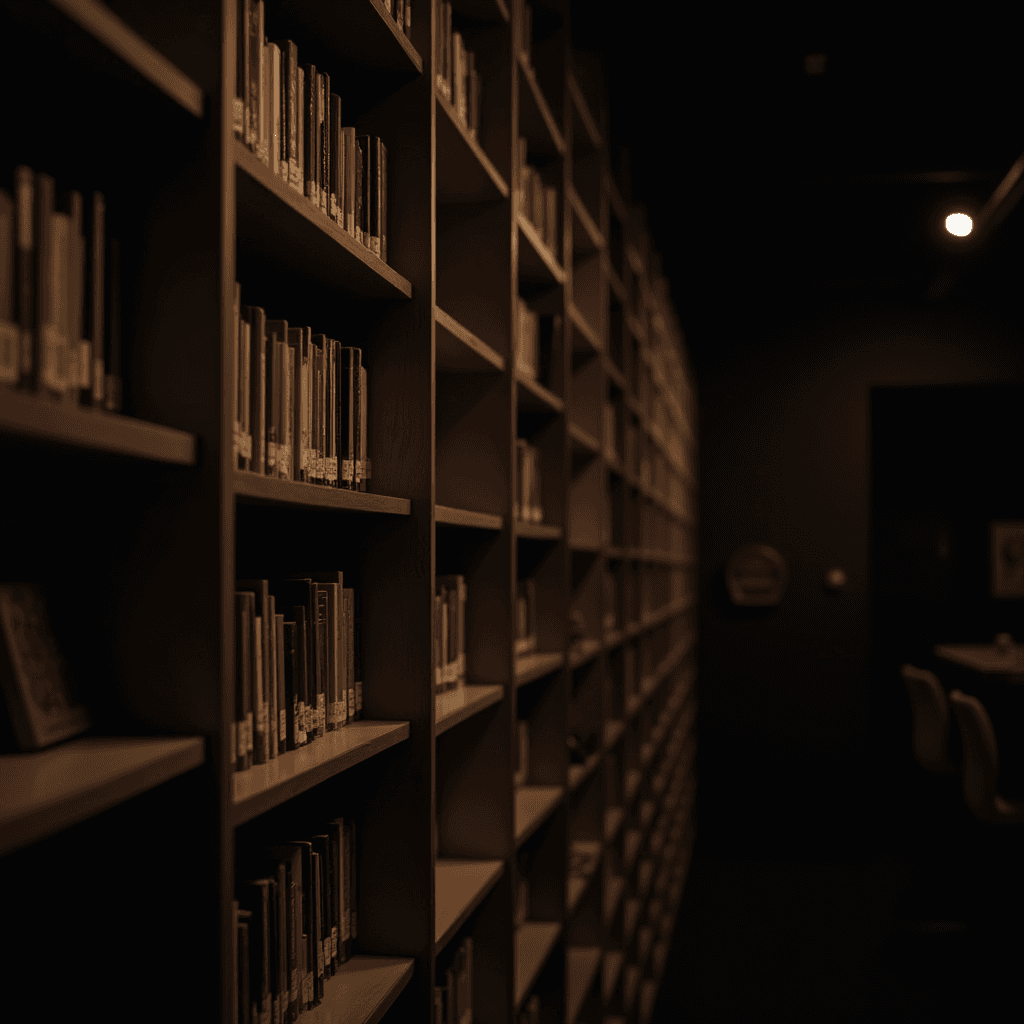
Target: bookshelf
{"x": 144, "y": 610}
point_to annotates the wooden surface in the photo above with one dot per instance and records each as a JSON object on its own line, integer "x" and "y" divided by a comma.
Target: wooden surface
{"x": 533, "y": 804}
{"x": 458, "y": 705}
{"x": 460, "y": 350}
{"x": 43, "y": 792}
{"x": 363, "y": 990}
{"x": 263, "y": 786}
{"x": 533, "y": 666}
{"x": 37, "y": 417}
{"x": 581, "y": 966}
{"x": 100, "y": 22}
{"x": 444, "y": 515}
{"x": 983, "y": 657}
{"x": 534, "y": 941}
{"x": 459, "y": 887}
{"x": 267, "y": 490}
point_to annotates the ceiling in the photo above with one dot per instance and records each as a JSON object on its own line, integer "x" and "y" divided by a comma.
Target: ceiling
{"x": 764, "y": 181}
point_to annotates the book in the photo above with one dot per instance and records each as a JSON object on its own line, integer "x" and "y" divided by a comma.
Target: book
{"x": 336, "y": 156}
{"x": 264, "y": 662}
{"x": 348, "y": 393}
{"x": 245, "y": 1003}
{"x": 24, "y": 273}
{"x": 255, "y": 896}
{"x": 9, "y": 342}
{"x": 112, "y": 382}
{"x": 41, "y": 705}
{"x": 291, "y": 108}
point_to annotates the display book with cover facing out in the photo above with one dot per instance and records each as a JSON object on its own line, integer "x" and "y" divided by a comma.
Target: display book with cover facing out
{"x": 449, "y": 633}
{"x": 60, "y": 294}
{"x": 295, "y": 922}
{"x": 41, "y": 709}
{"x": 287, "y": 115}
{"x": 298, "y": 663}
{"x": 453, "y": 1000}
{"x": 301, "y": 403}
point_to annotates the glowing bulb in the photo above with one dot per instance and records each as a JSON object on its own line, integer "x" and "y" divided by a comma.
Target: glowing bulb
{"x": 959, "y": 224}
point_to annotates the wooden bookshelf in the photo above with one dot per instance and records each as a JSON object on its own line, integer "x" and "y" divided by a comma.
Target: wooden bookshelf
{"x": 172, "y": 529}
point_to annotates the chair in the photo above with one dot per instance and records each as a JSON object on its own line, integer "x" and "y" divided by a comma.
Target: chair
{"x": 930, "y": 736}
{"x": 981, "y": 764}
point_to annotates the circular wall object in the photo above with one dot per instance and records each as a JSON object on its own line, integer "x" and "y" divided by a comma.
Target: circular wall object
{"x": 835, "y": 578}
{"x": 756, "y": 576}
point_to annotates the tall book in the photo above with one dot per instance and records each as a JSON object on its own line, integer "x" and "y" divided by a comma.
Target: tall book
{"x": 255, "y": 895}
{"x": 348, "y": 394}
{"x": 289, "y": 855}
{"x": 24, "y": 273}
{"x": 112, "y": 383}
{"x": 244, "y": 612}
{"x": 265, "y": 662}
{"x": 9, "y": 353}
{"x": 291, "y": 109}
{"x": 311, "y": 133}
{"x": 336, "y": 156}
{"x": 256, "y": 318}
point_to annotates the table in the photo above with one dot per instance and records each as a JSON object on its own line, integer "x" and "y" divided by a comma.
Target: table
{"x": 995, "y": 676}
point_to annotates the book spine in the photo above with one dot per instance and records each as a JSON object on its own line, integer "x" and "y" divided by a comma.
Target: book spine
{"x": 238, "y": 110}
{"x": 382, "y": 152}
{"x": 24, "y": 270}
{"x": 270, "y": 670}
{"x": 310, "y": 123}
{"x": 242, "y": 684}
{"x": 324, "y": 139}
{"x": 112, "y": 397}
{"x": 350, "y": 622}
{"x": 275, "y": 135}
{"x": 255, "y": 75}
{"x": 261, "y": 744}
{"x": 364, "y": 447}
{"x": 408, "y": 18}
{"x": 336, "y": 160}
{"x": 299, "y": 183}
{"x": 301, "y": 676}
{"x": 78, "y": 356}
{"x": 291, "y": 102}
{"x": 245, "y": 394}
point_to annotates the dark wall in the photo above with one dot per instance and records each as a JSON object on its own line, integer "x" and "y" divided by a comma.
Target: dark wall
{"x": 788, "y": 730}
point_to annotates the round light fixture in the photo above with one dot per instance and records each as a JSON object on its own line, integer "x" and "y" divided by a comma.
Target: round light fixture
{"x": 959, "y": 224}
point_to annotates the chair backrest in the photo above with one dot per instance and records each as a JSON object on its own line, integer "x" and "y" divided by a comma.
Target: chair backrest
{"x": 981, "y": 755}
{"x": 930, "y": 734}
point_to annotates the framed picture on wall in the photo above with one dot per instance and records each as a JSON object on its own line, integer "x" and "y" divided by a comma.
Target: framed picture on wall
{"x": 1007, "y": 560}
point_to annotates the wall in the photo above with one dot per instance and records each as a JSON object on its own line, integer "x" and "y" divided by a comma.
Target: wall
{"x": 788, "y": 740}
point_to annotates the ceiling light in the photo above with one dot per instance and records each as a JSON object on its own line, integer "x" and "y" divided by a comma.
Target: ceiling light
{"x": 959, "y": 224}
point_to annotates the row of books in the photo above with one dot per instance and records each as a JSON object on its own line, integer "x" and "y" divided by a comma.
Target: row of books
{"x": 295, "y": 919}
{"x": 298, "y": 663}
{"x": 526, "y": 503}
{"x": 453, "y": 1000}
{"x": 300, "y": 403}
{"x": 449, "y": 633}
{"x": 401, "y": 11}
{"x": 538, "y": 202}
{"x": 60, "y": 293}
{"x": 458, "y": 79}
{"x": 287, "y": 115}
{"x": 537, "y": 338}
{"x": 526, "y": 617}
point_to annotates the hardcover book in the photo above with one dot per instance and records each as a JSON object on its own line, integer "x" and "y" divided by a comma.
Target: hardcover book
{"x": 40, "y": 704}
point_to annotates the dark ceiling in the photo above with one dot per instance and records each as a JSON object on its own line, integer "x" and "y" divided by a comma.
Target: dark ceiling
{"x": 764, "y": 182}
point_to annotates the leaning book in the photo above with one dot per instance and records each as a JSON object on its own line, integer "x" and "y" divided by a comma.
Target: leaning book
{"x": 40, "y": 705}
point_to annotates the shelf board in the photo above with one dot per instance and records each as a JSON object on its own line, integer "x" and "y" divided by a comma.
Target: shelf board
{"x": 267, "y": 490}
{"x": 459, "y": 888}
{"x": 583, "y": 228}
{"x": 363, "y": 990}
{"x": 613, "y": 638}
{"x": 579, "y": 772}
{"x": 264, "y": 786}
{"x": 459, "y": 350}
{"x": 611, "y": 968}
{"x": 581, "y": 966}
{"x": 583, "y": 111}
{"x": 537, "y": 263}
{"x": 584, "y": 440}
{"x": 536, "y": 122}
{"x": 613, "y": 731}
{"x": 529, "y": 667}
{"x": 356, "y": 35}
{"x": 534, "y": 941}
{"x": 36, "y": 416}
{"x": 465, "y": 173}
{"x": 533, "y": 804}
{"x": 445, "y": 515}
{"x": 317, "y": 250}
{"x": 537, "y": 531}
{"x": 108, "y": 29}
{"x": 584, "y": 651}
{"x": 592, "y": 547}
{"x": 615, "y": 886}
{"x": 534, "y": 397}
{"x": 46, "y": 791}
{"x": 582, "y": 332}
{"x": 613, "y": 818}
{"x": 457, "y": 705}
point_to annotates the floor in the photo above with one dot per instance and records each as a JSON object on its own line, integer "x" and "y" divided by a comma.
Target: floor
{"x": 820, "y": 939}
